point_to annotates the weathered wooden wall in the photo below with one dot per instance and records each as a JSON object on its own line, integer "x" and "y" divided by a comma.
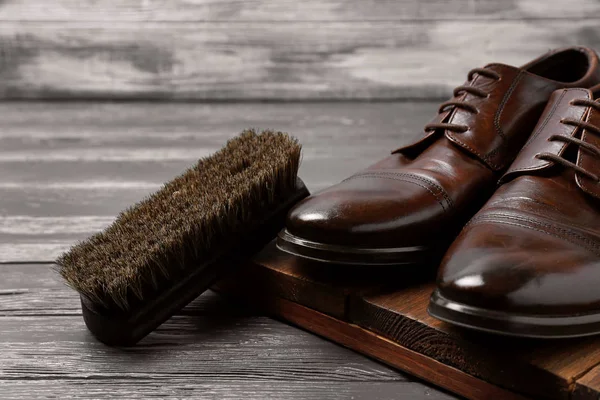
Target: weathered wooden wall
{"x": 273, "y": 50}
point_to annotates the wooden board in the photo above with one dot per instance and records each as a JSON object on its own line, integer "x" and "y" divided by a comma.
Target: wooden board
{"x": 258, "y": 50}
{"x": 212, "y": 349}
{"x": 588, "y": 386}
{"x": 363, "y": 313}
{"x": 66, "y": 169}
{"x": 170, "y": 388}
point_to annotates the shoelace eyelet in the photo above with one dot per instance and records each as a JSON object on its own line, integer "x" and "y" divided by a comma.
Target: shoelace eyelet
{"x": 460, "y": 103}
{"x": 572, "y": 140}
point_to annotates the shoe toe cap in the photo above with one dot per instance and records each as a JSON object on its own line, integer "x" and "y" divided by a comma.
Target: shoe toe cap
{"x": 517, "y": 269}
{"x": 367, "y": 213}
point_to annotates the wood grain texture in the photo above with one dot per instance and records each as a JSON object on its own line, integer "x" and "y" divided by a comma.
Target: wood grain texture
{"x": 279, "y": 60}
{"x": 369, "y": 343}
{"x": 186, "y": 348}
{"x": 588, "y": 386}
{"x": 213, "y": 348}
{"x": 541, "y": 368}
{"x": 158, "y": 388}
{"x": 67, "y": 169}
{"x": 289, "y": 10}
{"x": 396, "y": 309}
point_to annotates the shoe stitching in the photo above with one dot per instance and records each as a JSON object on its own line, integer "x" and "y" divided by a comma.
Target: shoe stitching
{"x": 441, "y": 203}
{"x": 419, "y": 178}
{"x": 503, "y": 103}
{"x": 472, "y": 150}
{"x": 499, "y": 130}
{"x": 427, "y": 181}
{"x": 571, "y": 236}
{"x": 402, "y": 179}
{"x": 453, "y": 138}
{"x": 503, "y": 201}
{"x": 534, "y": 220}
{"x": 593, "y": 249}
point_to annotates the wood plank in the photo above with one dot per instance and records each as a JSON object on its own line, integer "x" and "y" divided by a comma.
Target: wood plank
{"x": 272, "y": 61}
{"x": 288, "y": 10}
{"x": 66, "y": 145}
{"x": 66, "y": 169}
{"x": 542, "y": 368}
{"x": 401, "y": 314}
{"x": 28, "y": 290}
{"x": 587, "y": 386}
{"x": 229, "y": 340}
{"x": 218, "y": 388}
{"x": 191, "y": 349}
{"x": 368, "y": 343}
{"x": 396, "y": 310}
{"x": 37, "y": 290}
{"x": 213, "y": 346}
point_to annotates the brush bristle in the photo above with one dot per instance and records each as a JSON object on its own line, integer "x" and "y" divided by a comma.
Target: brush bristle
{"x": 176, "y": 228}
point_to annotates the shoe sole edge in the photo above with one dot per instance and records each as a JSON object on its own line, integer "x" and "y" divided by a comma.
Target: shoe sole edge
{"x": 338, "y": 254}
{"x": 516, "y": 325}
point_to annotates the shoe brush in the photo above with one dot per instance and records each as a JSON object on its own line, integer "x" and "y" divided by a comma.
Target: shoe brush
{"x": 160, "y": 254}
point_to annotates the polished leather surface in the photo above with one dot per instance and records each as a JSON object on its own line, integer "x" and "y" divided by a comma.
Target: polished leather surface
{"x": 534, "y": 248}
{"x": 422, "y": 194}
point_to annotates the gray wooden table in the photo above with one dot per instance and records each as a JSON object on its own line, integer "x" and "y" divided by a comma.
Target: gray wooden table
{"x": 67, "y": 169}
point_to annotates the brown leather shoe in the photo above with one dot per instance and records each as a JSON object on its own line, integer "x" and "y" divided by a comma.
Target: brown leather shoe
{"x": 407, "y": 207}
{"x": 528, "y": 263}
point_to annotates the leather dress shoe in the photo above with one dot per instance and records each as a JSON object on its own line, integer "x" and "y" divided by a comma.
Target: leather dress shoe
{"x": 528, "y": 263}
{"x": 407, "y": 208}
